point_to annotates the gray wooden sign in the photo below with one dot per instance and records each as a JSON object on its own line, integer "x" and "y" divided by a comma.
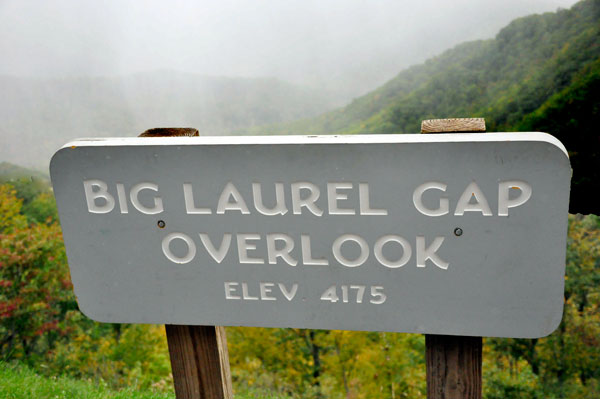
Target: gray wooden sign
{"x": 461, "y": 234}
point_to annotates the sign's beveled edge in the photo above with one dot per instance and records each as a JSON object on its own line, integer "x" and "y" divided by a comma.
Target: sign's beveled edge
{"x": 329, "y": 139}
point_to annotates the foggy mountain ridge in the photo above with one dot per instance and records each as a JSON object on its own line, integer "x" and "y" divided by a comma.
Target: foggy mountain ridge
{"x": 41, "y": 114}
{"x": 501, "y": 79}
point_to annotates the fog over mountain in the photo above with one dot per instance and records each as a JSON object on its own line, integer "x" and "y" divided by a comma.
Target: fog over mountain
{"x": 41, "y": 114}
{"x": 346, "y": 46}
{"x": 115, "y": 68}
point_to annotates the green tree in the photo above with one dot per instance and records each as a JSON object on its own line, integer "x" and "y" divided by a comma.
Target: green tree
{"x": 567, "y": 362}
{"x": 34, "y": 280}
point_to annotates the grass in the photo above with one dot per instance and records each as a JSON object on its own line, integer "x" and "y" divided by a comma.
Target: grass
{"x": 20, "y": 382}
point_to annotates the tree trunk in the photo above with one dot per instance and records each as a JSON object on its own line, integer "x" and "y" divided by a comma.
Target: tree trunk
{"x": 316, "y": 363}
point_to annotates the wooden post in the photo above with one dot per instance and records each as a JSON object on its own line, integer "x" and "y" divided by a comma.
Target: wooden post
{"x": 453, "y": 362}
{"x": 199, "y": 357}
{"x": 200, "y": 362}
{"x": 453, "y": 367}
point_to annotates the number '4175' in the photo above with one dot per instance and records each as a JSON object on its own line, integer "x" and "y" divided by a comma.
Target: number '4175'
{"x": 354, "y": 294}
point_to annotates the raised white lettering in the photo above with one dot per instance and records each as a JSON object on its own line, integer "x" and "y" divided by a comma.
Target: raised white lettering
{"x": 464, "y": 202}
{"x": 365, "y": 206}
{"x": 309, "y": 202}
{"x": 265, "y": 290}
{"x": 190, "y": 206}
{"x": 283, "y": 253}
{"x": 191, "y": 248}
{"x": 288, "y": 294}
{"x": 102, "y": 192}
{"x": 122, "y": 198}
{"x": 245, "y": 295}
{"x": 307, "y": 258}
{"x": 217, "y": 254}
{"x": 424, "y": 253}
{"x": 278, "y": 209}
{"x": 230, "y": 287}
{"x": 337, "y": 250}
{"x": 333, "y": 197}
{"x": 134, "y": 193}
{"x": 504, "y": 201}
{"x": 418, "y": 200}
{"x": 238, "y": 203}
{"x": 244, "y": 247}
{"x": 406, "y": 251}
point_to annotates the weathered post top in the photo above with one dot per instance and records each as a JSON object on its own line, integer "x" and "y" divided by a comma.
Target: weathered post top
{"x": 453, "y": 125}
{"x": 171, "y": 132}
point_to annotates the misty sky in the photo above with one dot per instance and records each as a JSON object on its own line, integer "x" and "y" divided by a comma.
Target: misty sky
{"x": 343, "y": 44}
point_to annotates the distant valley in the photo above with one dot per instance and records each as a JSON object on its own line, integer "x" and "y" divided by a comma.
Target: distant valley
{"x": 40, "y": 115}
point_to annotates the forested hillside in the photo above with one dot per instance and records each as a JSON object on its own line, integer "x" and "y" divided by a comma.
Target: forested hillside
{"x": 501, "y": 79}
{"x": 541, "y": 72}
